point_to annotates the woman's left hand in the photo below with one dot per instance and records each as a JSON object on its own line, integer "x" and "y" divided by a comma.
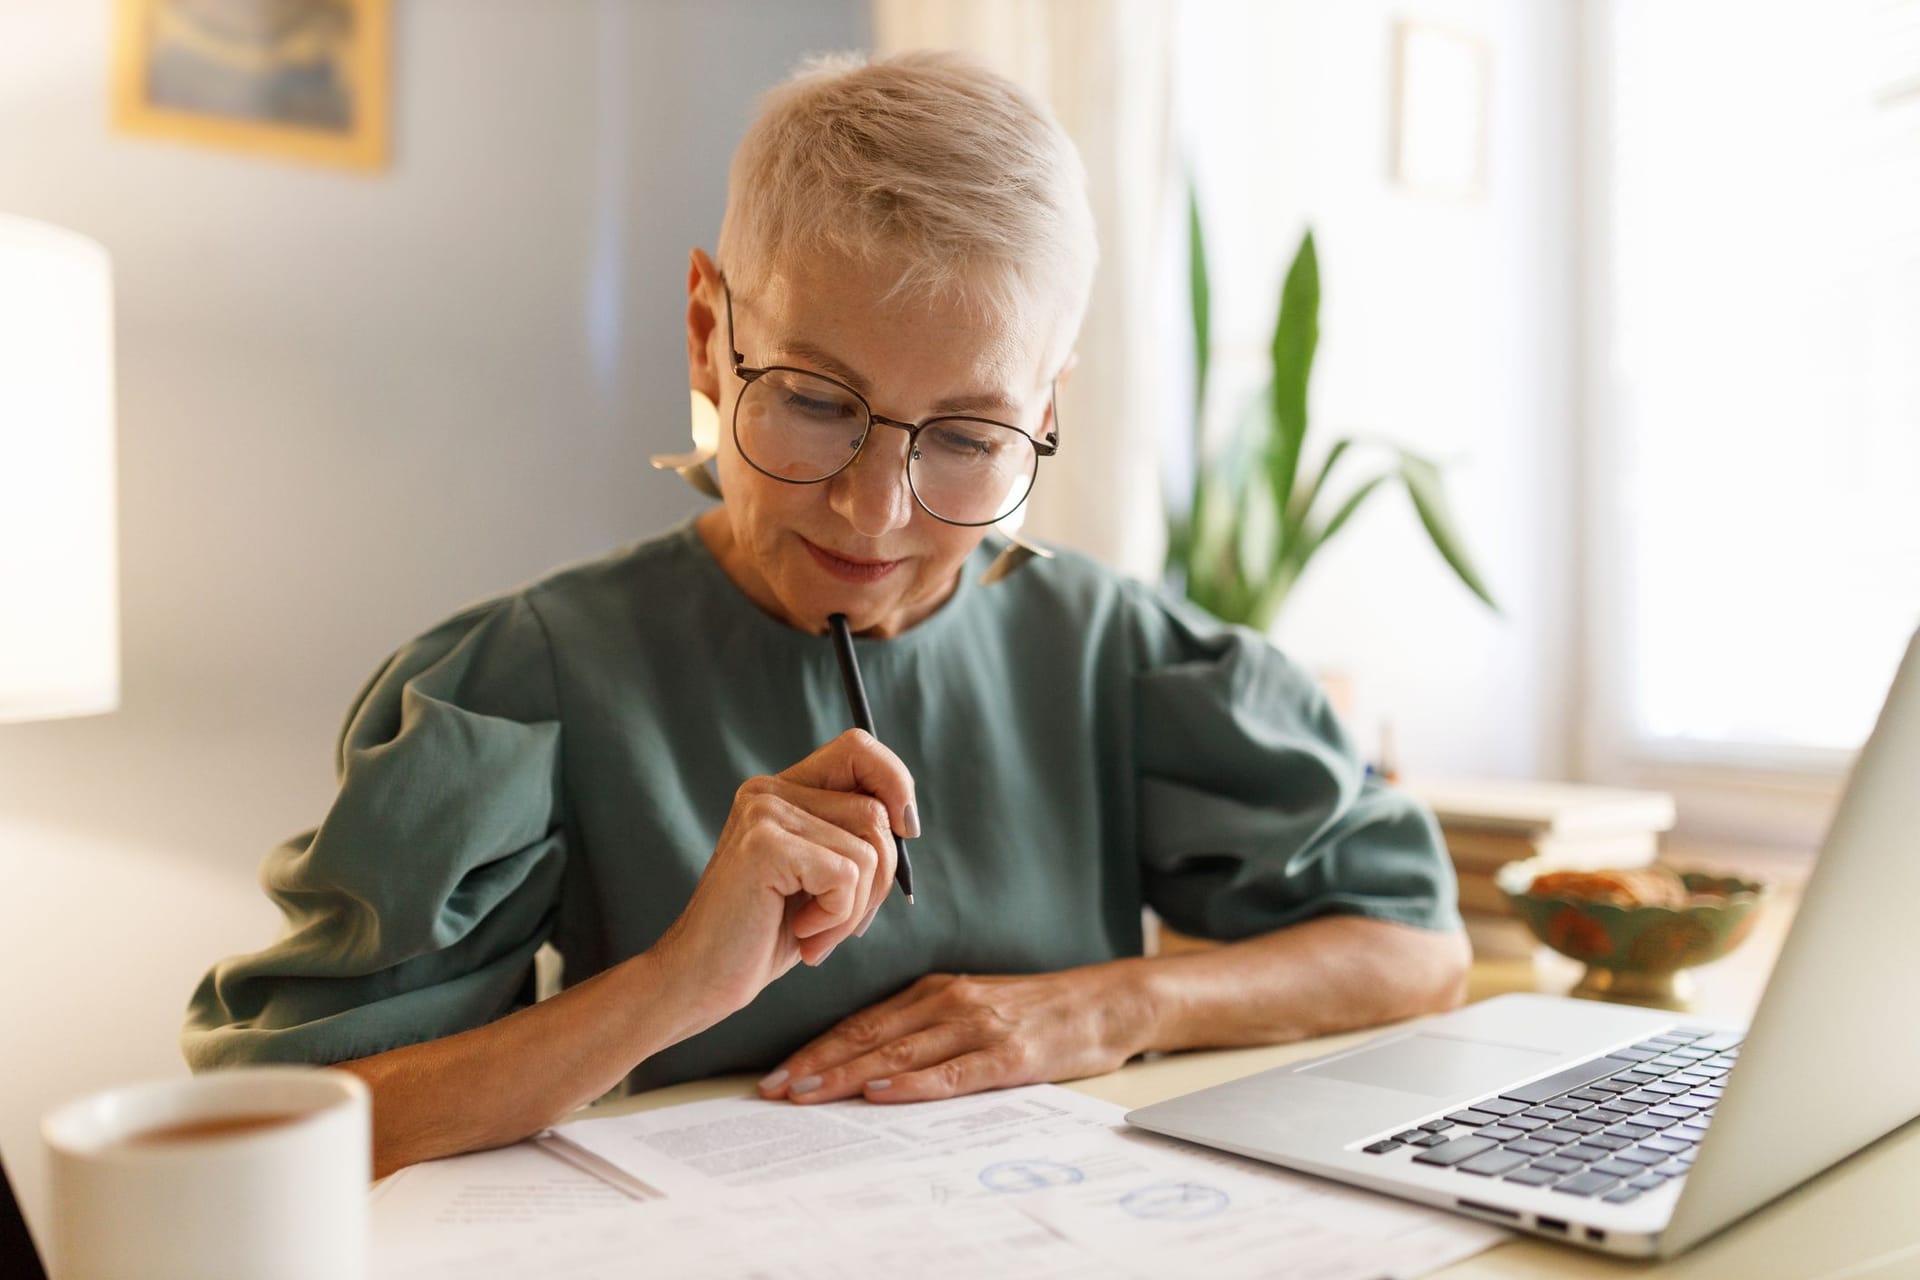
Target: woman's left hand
{"x": 950, "y": 1034}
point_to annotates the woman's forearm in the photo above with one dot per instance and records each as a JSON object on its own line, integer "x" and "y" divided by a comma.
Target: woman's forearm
{"x": 1330, "y": 974}
{"x": 502, "y": 1082}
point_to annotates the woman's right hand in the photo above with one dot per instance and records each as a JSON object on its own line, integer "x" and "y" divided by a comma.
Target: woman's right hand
{"x": 804, "y": 862}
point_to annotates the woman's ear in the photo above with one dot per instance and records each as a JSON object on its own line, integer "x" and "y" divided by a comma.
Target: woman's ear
{"x": 1047, "y": 423}
{"x": 703, "y": 318}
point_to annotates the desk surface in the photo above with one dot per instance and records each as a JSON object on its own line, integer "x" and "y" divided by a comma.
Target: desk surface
{"x": 1854, "y": 1222}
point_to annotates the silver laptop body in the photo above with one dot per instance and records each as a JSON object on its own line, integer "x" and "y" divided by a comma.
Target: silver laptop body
{"x": 1831, "y": 1062}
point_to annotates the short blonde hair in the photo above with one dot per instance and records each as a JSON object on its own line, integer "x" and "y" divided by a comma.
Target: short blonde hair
{"x": 930, "y": 165}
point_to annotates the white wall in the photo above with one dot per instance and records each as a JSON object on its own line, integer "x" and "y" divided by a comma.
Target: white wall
{"x": 348, "y": 405}
{"x": 1446, "y": 325}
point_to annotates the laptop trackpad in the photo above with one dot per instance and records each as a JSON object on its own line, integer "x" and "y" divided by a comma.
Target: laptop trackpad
{"x": 1437, "y": 1066}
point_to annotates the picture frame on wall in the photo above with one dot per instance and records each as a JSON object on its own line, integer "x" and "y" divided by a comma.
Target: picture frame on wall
{"x": 299, "y": 80}
{"x": 1441, "y": 123}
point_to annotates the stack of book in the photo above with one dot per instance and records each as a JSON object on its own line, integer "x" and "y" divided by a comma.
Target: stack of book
{"x": 1569, "y": 826}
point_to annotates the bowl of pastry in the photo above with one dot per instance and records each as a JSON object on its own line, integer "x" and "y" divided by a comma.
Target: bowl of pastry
{"x": 1637, "y": 930}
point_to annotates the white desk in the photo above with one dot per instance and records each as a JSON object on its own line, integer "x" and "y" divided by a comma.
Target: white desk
{"x": 1864, "y": 1208}
{"x": 1858, "y": 1221}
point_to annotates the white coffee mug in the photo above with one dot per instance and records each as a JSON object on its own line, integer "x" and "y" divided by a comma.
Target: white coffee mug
{"x": 255, "y": 1173}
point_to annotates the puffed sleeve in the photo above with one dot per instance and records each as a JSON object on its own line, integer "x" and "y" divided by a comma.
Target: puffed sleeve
{"x": 1255, "y": 811}
{"x": 414, "y": 909}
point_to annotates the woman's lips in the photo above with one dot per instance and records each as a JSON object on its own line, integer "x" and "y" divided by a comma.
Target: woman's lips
{"x": 850, "y": 570}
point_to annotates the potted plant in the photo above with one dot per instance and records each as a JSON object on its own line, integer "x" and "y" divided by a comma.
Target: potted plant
{"x": 1256, "y": 520}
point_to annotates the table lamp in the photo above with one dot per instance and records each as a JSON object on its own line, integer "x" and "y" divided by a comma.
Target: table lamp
{"x": 59, "y": 609}
{"x": 59, "y": 606}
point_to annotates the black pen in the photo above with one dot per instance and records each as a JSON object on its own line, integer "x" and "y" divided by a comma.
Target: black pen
{"x": 863, "y": 719}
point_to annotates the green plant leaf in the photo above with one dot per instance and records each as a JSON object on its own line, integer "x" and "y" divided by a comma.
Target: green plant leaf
{"x": 1296, "y": 334}
{"x": 1317, "y": 540}
{"x": 1274, "y": 593}
{"x": 1257, "y": 535}
{"x": 1200, "y": 294}
{"x": 1233, "y": 566}
{"x": 1212, "y": 565}
{"x": 1302, "y": 509}
{"x": 1182, "y": 549}
{"x": 1422, "y": 478}
{"x": 1179, "y": 546}
{"x": 1240, "y": 458}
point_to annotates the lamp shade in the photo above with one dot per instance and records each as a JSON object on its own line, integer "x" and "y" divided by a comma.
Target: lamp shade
{"x": 59, "y": 606}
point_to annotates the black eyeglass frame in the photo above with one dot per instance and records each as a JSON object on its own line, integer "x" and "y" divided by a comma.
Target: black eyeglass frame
{"x": 1042, "y": 448}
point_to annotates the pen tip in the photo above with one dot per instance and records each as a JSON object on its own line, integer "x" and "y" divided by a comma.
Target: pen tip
{"x": 909, "y": 899}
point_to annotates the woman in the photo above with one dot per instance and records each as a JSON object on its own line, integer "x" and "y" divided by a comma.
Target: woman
{"x": 643, "y": 758}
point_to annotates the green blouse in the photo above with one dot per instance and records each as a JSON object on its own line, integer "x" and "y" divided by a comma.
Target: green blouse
{"x": 556, "y": 764}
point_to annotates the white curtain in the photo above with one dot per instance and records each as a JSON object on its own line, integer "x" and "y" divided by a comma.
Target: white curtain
{"x": 1105, "y": 67}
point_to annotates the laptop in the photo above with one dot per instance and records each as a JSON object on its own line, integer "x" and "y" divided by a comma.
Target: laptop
{"x": 1627, "y": 1130}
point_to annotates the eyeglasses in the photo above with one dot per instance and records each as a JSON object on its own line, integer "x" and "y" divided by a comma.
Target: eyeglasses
{"x": 802, "y": 428}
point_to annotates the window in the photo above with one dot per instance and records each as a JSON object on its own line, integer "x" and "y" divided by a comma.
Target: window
{"x": 1756, "y": 399}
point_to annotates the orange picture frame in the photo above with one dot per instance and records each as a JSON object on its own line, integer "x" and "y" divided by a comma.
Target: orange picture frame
{"x": 299, "y": 80}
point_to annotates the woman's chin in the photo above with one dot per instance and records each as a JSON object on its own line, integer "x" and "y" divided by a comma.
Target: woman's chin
{"x": 808, "y": 601}
{"x": 864, "y": 616}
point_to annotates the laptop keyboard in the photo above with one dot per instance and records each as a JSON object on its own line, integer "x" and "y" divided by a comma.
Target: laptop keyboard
{"x": 1613, "y": 1127}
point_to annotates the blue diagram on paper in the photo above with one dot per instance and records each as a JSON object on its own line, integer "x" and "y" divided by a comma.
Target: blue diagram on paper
{"x": 1180, "y": 1201}
{"x": 1029, "y": 1175}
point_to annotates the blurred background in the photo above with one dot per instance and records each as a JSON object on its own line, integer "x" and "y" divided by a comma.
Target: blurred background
{"x": 1639, "y": 281}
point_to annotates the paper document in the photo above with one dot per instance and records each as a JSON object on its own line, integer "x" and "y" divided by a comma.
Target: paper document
{"x": 709, "y": 1147}
{"x": 428, "y": 1211}
{"x": 1038, "y": 1181}
{"x": 458, "y": 1219}
{"x": 1167, "y": 1205}
{"x": 1139, "y": 1202}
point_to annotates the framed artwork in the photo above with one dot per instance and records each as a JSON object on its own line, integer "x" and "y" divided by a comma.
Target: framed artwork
{"x": 303, "y": 80}
{"x": 1440, "y": 118}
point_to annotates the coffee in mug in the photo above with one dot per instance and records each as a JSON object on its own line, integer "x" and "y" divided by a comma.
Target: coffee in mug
{"x": 217, "y": 1126}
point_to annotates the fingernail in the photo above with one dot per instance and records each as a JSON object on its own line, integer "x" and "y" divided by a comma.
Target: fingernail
{"x": 866, "y": 924}
{"x": 805, "y": 1084}
{"x": 774, "y": 1079}
{"x": 913, "y": 822}
{"x": 877, "y": 1085}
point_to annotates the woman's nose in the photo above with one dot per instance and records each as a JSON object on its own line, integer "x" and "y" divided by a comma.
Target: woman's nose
{"x": 872, "y": 493}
